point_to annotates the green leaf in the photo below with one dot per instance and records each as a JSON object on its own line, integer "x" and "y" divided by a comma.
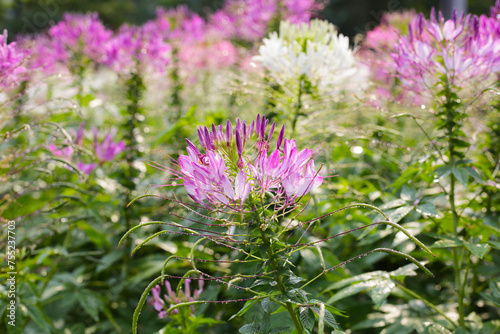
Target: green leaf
{"x": 330, "y": 308}
{"x": 352, "y": 290}
{"x": 494, "y": 244}
{"x": 358, "y": 278}
{"x": 478, "y": 250}
{"x": 442, "y": 171}
{"x": 428, "y": 209}
{"x": 329, "y": 318}
{"x": 265, "y": 303}
{"x": 490, "y": 327}
{"x": 435, "y": 329}
{"x": 263, "y": 281}
{"x": 306, "y": 318}
{"x": 408, "y": 270}
{"x": 475, "y": 174}
{"x": 494, "y": 296}
{"x": 90, "y": 303}
{"x": 292, "y": 279}
{"x": 265, "y": 324}
{"x": 408, "y": 194}
{"x": 98, "y": 238}
{"x": 38, "y": 317}
{"x": 448, "y": 241}
{"x": 381, "y": 291}
{"x": 462, "y": 175}
{"x": 280, "y": 330}
{"x": 249, "y": 329}
{"x": 393, "y": 204}
{"x": 244, "y": 309}
{"x": 398, "y": 214}
{"x": 398, "y": 328}
{"x": 407, "y": 175}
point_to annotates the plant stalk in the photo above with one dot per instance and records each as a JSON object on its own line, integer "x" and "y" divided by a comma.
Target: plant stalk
{"x": 277, "y": 278}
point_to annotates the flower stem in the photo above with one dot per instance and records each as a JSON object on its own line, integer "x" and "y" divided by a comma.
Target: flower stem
{"x": 277, "y": 278}
{"x": 452, "y": 126}
{"x": 298, "y": 106}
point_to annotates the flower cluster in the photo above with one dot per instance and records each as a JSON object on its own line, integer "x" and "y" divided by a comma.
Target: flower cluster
{"x": 12, "y": 63}
{"x": 104, "y": 151}
{"x": 134, "y": 46}
{"x": 161, "y": 305}
{"x": 459, "y": 52}
{"x": 314, "y": 51}
{"x": 82, "y": 34}
{"x": 376, "y": 52}
{"x": 238, "y": 164}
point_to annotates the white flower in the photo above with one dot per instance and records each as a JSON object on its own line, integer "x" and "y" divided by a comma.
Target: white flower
{"x": 315, "y": 51}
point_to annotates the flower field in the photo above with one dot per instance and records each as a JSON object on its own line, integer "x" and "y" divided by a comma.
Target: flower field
{"x": 251, "y": 170}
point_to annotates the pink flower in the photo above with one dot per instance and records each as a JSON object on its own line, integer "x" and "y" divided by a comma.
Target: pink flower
{"x": 138, "y": 46}
{"x": 461, "y": 50}
{"x": 172, "y": 298}
{"x": 107, "y": 150}
{"x": 66, "y": 152}
{"x": 12, "y": 63}
{"x": 236, "y": 166}
{"x": 79, "y": 34}
{"x": 86, "y": 168}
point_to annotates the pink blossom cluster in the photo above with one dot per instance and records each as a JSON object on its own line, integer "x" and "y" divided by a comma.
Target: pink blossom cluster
{"x": 377, "y": 48}
{"x": 82, "y": 34}
{"x": 457, "y": 51}
{"x": 195, "y": 42}
{"x": 137, "y": 46}
{"x": 104, "y": 151}
{"x": 12, "y": 63}
{"x": 238, "y": 164}
{"x": 430, "y": 53}
{"x": 161, "y": 304}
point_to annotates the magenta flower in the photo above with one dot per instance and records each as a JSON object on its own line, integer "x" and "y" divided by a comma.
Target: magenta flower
{"x": 376, "y": 52}
{"x": 86, "y": 168}
{"x": 138, "y": 46}
{"x": 66, "y": 152}
{"x": 300, "y": 11}
{"x": 236, "y": 166}
{"x": 81, "y": 34}
{"x": 172, "y": 298}
{"x": 460, "y": 51}
{"x": 107, "y": 150}
{"x": 12, "y": 63}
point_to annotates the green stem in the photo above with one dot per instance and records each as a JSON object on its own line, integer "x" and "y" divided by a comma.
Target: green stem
{"x": 298, "y": 106}
{"x": 451, "y": 128}
{"x": 277, "y": 278}
{"x": 462, "y": 294}
{"x": 428, "y": 303}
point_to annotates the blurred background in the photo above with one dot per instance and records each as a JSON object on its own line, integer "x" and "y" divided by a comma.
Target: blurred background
{"x": 351, "y": 16}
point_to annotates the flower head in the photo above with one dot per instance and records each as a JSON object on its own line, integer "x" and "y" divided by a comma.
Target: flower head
{"x": 457, "y": 52}
{"x": 107, "y": 150}
{"x": 12, "y": 63}
{"x": 237, "y": 164}
{"x": 171, "y": 298}
{"x": 134, "y": 46}
{"x": 82, "y": 34}
{"x": 314, "y": 51}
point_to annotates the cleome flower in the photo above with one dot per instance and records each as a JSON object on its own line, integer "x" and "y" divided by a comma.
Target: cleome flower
{"x": 459, "y": 52}
{"x": 105, "y": 151}
{"x": 161, "y": 305}
{"x": 12, "y": 61}
{"x": 237, "y": 166}
{"x": 313, "y": 50}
